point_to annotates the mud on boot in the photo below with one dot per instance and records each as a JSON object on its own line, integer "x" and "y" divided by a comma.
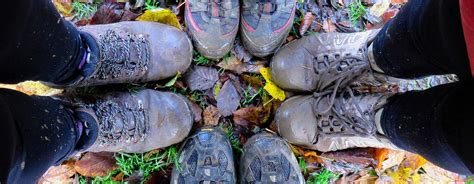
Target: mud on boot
{"x": 135, "y": 122}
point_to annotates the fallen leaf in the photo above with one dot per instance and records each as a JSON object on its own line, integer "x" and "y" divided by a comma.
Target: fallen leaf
{"x": 271, "y": 87}
{"x": 398, "y": 1}
{"x": 381, "y": 154}
{"x": 58, "y": 174}
{"x": 197, "y": 111}
{"x": 211, "y": 115}
{"x": 107, "y": 13}
{"x": 128, "y": 16}
{"x": 201, "y": 78}
{"x": 217, "y": 89}
{"x": 32, "y": 88}
{"x": 249, "y": 115}
{"x": 236, "y": 65}
{"x": 228, "y": 99}
{"x": 160, "y": 15}
{"x": 389, "y": 14}
{"x": 253, "y": 80}
{"x": 362, "y": 156}
{"x": 96, "y": 164}
{"x": 64, "y": 7}
{"x": 306, "y": 22}
{"x": 379, "y": 8}
{"x": 413, "y": 161}
{"x": 312, "y": 157}
{"x": 240, "y": 52}
{"x": 173, "y": 80}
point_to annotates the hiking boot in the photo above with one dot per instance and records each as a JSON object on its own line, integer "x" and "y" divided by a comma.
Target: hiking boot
{"x": 205, "y": 157}
{"x": 325, "y": 61}
{"x": 266, "y": 24}
{"x": 267, "y": 158}
{"x": 132, "y": 52}
{"x": 213, "y": 25}
{"x": 135, "y": 122}
{"x": 327, "y": 122}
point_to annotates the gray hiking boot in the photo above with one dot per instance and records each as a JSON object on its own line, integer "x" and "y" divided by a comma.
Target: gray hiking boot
{"x": 268, "y": 159}
{"x": 132, "y": 52}
{"x": 205, "y": 157}
{"x": 266, "y": 24}
{"x": 137, "y": 122}
{"x": 328, "y": 123}
{"x": 322, "y": 61}
{"x": 213, "y": 25}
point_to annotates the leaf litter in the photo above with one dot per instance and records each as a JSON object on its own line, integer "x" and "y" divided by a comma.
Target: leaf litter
{"x": 234, "y": 94}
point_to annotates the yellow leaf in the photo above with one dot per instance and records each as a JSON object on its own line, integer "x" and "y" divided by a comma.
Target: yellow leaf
{"x": 271, "y": 87}
{"x": 64, "y": 7}
{"x": 160, "y": 15}
{"x": 33, "y": 88}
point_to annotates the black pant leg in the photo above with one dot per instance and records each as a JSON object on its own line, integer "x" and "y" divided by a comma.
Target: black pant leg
{"x": 36, "y": 133}
{"x": 37, "y": 44}
{"x": 437, "y": 123}
{"x": 425, "y": 38}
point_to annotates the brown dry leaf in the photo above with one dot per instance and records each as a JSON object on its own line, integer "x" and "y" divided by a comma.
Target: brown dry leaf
{"x": 312, "y": 157}
{"x": 197, "y": 111}
{"x": 228, "y": 99}
{"x": 381, "y": 154}
{"x": 96, "y": 164}
{"x": 393, "y": 158}
{"x": 201, "y": 78}
{"x": 253, "y": 80}
{"x": 64, "y": 7}
{"x": 234, "y": 64}
{"x": 249, "y": 115}
{"x": 435, "y": 174}
{"x": 361, "y": 156}
{"x": 398, "y": 1}
{"x": 107, "y": 13}
{"x": 211, "y": 115}
{"x": 59, "y": 174}
{"x": 306, "y": 22}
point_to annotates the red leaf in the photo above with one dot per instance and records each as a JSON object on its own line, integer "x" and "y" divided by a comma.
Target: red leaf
{"x": 108, "y": 13}
{"x": 96, "y": 164}
{"x": 306, "y": 22}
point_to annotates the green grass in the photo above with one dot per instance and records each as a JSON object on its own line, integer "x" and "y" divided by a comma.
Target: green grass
{"x": 356, "y": 11}
{"x": 234, "y": 140}
{"x": 198, "y": 59}
{"x": 145, "y": 163}
{"x": 470, "y": 180}
{"x": 198, "y": 97}
{"x": 249, "y": 97}
{"x": 302, "y": 163}
{"x": 323, "y": 177}
{"x": 151, "y": 5}
{"x": 83, "y": 10}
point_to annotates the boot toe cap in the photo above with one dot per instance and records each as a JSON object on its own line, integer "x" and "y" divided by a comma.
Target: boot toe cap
{"x": 296, "y": 121}
{"x": 292, "y": 70}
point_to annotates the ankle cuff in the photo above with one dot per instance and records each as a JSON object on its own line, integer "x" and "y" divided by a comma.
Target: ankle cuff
{"x": 372, "y": 62}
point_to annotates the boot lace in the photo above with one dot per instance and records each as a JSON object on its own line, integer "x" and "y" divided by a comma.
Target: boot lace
{"x": 122, "y": 56}
{"x": 120, "y": 123}
{"x": 334, "y": 115}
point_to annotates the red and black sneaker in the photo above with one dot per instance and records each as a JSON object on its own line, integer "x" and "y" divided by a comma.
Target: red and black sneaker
{"x": 213, "y": 25}
{"x": 266, "y": 24}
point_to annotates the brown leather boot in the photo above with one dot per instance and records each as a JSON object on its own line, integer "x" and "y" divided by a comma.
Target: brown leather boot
{"x": 135, "y": 122}
{"x": 327, "y": 122}
{"x": 322, "y": 61}
{"x": 132, "y": 52}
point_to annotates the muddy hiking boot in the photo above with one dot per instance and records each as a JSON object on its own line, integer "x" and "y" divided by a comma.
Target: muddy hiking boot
{"x": 267, "y": 158}
{"x": 266, "y": 24}
{"x": 131, "y": 52}
{"x": 134, "y": 122}
{"x": 326, "y": 122}
{"x": 325, "y": 61}
{"x": 206, "y": 157}
{"x": 213, "y": 25}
